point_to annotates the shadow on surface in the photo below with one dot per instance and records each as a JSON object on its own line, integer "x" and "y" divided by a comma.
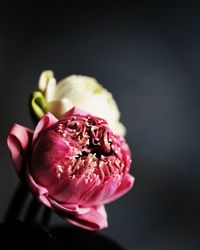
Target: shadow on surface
{"x": 17, "y": 235}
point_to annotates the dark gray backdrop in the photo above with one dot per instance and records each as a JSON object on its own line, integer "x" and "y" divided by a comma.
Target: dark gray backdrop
{"x": 148, "y": 56}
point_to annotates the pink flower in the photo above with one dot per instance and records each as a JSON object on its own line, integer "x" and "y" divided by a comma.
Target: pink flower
{"x": 73, "y": 165}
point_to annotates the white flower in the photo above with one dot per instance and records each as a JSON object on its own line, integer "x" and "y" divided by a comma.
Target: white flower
{"x": 76, "y": 90}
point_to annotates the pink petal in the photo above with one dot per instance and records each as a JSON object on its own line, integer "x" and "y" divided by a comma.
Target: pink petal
{"x": 69, "y": 208}
{"x": 100, "y": 193}
{"x": 46, "y": 121}
{"x": 73, "y": 191}
{"x": 95, "y": 219}
{"x": 126, "y": 185}
{"x": 40, "y": 192}
{"x": 19, "y": 141}
{"x": 47, "y": 152}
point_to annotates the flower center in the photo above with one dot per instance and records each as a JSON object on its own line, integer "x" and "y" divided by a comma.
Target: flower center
{"x": 96, "y": 152}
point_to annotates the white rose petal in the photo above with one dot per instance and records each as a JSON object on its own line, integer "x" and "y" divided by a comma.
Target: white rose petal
{"x": 83, "y": 92}
{"x": 59, "y": 107}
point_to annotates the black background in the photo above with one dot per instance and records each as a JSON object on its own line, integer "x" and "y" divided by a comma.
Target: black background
{"x": 148, "y": 56}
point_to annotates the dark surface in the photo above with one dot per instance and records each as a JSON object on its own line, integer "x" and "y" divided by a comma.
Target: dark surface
{"x": 16, "y": 235}
{"x": 75, "y": 238}
{"x": 148, "y": 56}
{"x": 20, "y": 236}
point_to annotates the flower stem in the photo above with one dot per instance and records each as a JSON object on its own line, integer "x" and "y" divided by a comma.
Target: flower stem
{"x": 16, "y": 203}
{"x": 32, "y": 211}
{"x": 46, "y": 217}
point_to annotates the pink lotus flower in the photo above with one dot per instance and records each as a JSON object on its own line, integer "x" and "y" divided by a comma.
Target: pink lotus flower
{"x": 73, "y": 165}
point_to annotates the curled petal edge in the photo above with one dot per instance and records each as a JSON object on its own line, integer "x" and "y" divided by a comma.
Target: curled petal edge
{"x": 46, "y": 121}
{"x": 92, "y": 218}
{"x": 95, "y": 219}
{"x": 38, "y": 104}
{"x": 71, "y": 208}
{"x": 40, "y": 192}
{"x": 18, "y": 142}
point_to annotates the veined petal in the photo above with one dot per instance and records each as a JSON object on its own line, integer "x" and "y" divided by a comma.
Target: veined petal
{"x": 19, "y": 141}
{"x": 72, "y": 191}
{"x": 45, "y": 167}
{"x": 101, "y": 193}
{"x": 126, "y": 185}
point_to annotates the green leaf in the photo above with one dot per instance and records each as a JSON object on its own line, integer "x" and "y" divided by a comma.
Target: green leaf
{"x": 38, "y": 104}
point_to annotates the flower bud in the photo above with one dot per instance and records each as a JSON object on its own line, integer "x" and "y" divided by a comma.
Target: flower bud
{"x": 74, "y": 165}
{"x": 75, "y": 91}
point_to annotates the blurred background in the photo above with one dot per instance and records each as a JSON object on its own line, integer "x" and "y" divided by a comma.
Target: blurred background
{"x": 147, "y": 54}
